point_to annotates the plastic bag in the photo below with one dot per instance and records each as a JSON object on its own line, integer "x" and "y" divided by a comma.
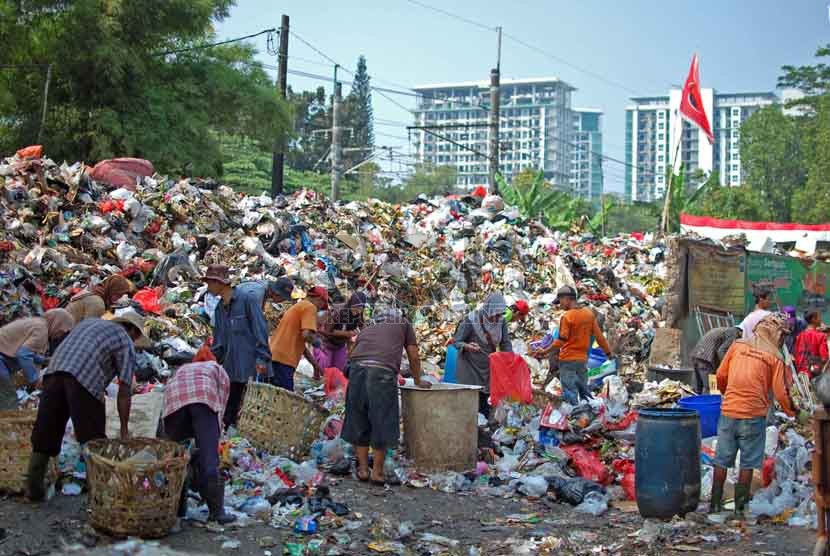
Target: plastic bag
{"x": 625, "y": 467}
{"x": 335, "y": 383}
{"x": 594, "y": 503}
{"x": 148, "y": 298}
{"x": 507, "y": 464}
{"x": 204, "y": 353}
{"x": 588, "y": 464}
{"x": 32, "y": 151}
{"x": 509, "y": 378}
{"x": 533, "y": 485}
{"x": 450, "y": 364}
{"x": 573, "y": 491}
{"x": 255, "y": 505}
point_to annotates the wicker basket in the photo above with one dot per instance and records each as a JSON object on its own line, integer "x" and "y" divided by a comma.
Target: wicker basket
{"x": 135, "y": 498}
{"x": 278, "y": 421}
{"x": 16, "y": 450}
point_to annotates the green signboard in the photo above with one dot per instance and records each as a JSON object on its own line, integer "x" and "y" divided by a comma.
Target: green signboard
{"x": 797, "y": 282}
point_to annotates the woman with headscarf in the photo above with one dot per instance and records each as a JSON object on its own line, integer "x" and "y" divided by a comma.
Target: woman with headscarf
{"x": 751, "y": 369}
{"x": 337, "y": 328}
{"x": 94, "y": 302}
{"x": 482, "y": 332}
{"x": 24, "y": 343}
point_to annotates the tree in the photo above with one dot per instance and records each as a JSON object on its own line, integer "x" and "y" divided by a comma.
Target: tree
{"x": 811, "y": 204}
{"x": 738, "y": 203}
{"x": 358, "y": 116}
{"x": 634, "y": 217}
{"x": 114, "y": 93}
{"x": 773, "y": 158}
{"x": 537, "y": 198}
{"x": 309, "y": 144}
{"x": 813, "y": 81}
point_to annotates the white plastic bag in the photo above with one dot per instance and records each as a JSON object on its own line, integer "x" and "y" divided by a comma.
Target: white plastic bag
{"x": 594, "y": 503}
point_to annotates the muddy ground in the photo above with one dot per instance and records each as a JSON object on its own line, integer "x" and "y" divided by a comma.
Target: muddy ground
{"x": 474, "y": 521}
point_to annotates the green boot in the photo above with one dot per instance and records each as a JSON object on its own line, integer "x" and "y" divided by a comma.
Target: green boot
{"x": 716, "y": 500}
{"x": 741, "y": 498}
{"x": 35, "y": 478}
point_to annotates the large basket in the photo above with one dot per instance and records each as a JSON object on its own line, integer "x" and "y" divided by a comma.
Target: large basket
{"x": 135, "y": 498}
{"x": 278, "y": 421}
{"x": 16, "y": 450}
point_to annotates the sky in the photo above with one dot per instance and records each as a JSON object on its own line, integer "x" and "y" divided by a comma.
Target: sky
{"x": 609, "y": 50}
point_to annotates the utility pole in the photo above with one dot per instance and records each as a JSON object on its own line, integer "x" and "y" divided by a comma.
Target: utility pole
{"x": 278, "y": 160}
{"x": 495, "y": 101}
{"x": 336, "y": 146}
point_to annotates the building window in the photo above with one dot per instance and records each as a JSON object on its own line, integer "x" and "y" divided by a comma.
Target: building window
{"x": 660, "y": 158}
{"x": 660, "y": 136}
{"x": 661, "y": 115}
{"x": 661, "y": 125}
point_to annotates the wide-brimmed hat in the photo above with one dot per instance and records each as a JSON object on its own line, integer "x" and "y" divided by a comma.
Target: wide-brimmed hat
{"x": 131, "y": 316}
{"x": 217, "y": 273}
{"x": 565, "y": 291}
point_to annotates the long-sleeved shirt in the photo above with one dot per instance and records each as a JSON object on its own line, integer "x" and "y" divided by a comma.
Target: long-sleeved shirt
{"x": 810, "y": 349}
{"x": 576, "y": 328}
{"x": 713, "y": 345}
{"x": 473, "y": 367}
{"x": 240, "y": 335}
{"x": 745, "y": 377}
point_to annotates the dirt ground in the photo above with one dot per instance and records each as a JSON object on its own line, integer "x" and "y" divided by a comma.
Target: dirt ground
{"x": 479, "y": 523}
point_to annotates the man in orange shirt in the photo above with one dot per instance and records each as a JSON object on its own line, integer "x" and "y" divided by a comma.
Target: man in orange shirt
{"x": 577, "y": 327}
{"x": 746, "y": 375}
{"x": 296, "y": 329}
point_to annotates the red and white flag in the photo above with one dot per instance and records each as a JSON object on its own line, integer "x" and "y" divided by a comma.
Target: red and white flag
{"x": 691, "y": 102}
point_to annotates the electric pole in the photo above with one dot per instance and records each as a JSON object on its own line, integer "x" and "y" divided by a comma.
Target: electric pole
{"x": 336, "y": 146}
{"x": 495, "y": 101}
{"x": 278, "y": 160}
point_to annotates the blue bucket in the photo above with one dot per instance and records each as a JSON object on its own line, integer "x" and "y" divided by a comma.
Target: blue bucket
{"x": 708, "y": 407}
{"x": 450, "y": 365}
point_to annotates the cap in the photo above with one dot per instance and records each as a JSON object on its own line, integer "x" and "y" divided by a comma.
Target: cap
{"x": 321, "y": 292}
{"x": 565, "y": 291}
{"x": 131, "y": 316}
{"x": 522, "y": 307}
{"x": 282, "y": 287}
{"x": 217, "y": 273}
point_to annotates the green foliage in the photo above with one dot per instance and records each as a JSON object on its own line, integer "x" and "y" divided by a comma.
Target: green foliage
{"x": 813, "y": 81}
{"x": 684, "y": 197}
{"x": 536, "y": 198}
{"x": 311, "y": 112}
{"x": 772, "y": 157}
{"x": 111, "y": 94}
{"x": 811, "y": 203}
{"x": 734, "y": 203}
{"x": 635, "y": 217}
{"x": 425, "y": 180}
{"x": 358, "y": 115}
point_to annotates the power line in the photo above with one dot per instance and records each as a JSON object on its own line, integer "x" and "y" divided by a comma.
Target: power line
{"x": 314, "y": 48}
{"x": 454, "y": 16}
{"x": 211, "y": 45}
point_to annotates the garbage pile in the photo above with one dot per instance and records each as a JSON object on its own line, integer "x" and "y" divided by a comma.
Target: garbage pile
{"x": 62, "y": 231}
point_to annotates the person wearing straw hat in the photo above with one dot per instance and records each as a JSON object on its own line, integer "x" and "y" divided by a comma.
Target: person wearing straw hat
{"x": 240, "y": 336}
{"x": 74, "y": 386}
{"x": 194, "y": 400}
{"x": 24, "y": 344}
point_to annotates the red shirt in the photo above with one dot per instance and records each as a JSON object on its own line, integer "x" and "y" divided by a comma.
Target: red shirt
{"x": 810, "y": 345}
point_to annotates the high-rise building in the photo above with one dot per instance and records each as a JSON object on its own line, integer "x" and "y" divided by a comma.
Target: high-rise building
{"x": 586, "y": 153}
{"x": 655, "y": 131}
{"x": 536, "y": 128}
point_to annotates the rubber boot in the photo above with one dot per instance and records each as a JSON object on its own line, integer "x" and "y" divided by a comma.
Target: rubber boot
{"x": 214, "y": 495}
{"x": 741, "y": 498}
{"x": 36, "y": 477}
{"x": 716, "y": 500}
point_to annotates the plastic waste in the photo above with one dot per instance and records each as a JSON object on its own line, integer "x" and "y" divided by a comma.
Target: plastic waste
{"x": 573, "y": 490}
{"x": 507, "y": 464}
{"x": 509, "y": 378}
{"x": 594, "y": 503}
{"x": 255, "y": 506}
{"x": 771, "y": 443}
{"x": 533, "y": 485}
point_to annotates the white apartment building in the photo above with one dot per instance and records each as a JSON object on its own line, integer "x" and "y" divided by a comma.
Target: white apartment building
{"x": 655, "y": 131}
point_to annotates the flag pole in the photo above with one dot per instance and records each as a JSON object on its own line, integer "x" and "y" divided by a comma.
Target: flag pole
{"x": 664, "y": 222}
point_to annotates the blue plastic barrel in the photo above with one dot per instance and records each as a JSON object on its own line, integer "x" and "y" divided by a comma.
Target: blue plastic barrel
{"x": 667, "y": 455}
{"x": 708, "y": 407}
{"x": 450, "y": 364}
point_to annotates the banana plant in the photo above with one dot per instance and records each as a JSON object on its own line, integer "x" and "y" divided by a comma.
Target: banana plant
{"x": 534, "y": 201}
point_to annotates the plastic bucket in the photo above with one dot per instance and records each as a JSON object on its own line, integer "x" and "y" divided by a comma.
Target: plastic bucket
{"x": 450, "y": 365}
{"x": 708, "y": 407}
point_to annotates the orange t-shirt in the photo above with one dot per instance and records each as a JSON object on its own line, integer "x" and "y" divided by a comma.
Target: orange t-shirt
{"x": 575, "y": 331}
{"x": 287, "y": 342}
{"x": 745, "y": 376}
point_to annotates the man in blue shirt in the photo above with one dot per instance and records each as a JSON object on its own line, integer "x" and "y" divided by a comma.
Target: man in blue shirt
{"x": 240, "y": 335}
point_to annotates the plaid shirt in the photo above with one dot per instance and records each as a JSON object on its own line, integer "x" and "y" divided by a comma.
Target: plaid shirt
{"x": 95, "y": 352}
{"x": 203, "y": 382}
{"x": 713, "y": 345}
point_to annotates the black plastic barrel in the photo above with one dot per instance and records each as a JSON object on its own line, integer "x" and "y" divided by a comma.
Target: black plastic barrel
{"x": 667, "y": 453}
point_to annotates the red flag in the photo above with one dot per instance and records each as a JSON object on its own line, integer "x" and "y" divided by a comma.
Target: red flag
{"x": 691, "y": 102}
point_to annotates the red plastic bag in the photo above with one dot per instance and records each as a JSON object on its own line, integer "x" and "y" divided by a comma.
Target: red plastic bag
{"x": 588, "y": 464}
{"x": 625, "y": 467}
{"x": 509, "y": 378}
{"x": 122, "y": 172}
{"x": 335, "y": 383}
{"x": 620, "y": 425}
{"x": 768, "y": 471}
{"x": 32, "y": 151}
{"x": 148, "y": 298}
{"x": 204, "y": 353}
{"x": 553, "y": 419}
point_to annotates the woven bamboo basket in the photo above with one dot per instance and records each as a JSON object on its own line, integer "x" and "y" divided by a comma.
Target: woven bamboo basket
{"x": 135, "y": 498}
{"x": 278, "y": 421}
{"x": 16, "y": 450}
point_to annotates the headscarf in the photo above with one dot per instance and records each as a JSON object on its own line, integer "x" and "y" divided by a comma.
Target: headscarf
{"x": 110, "y": 288}
{"x": 789, "y": 311}
{"x": 769, "y": 334}
{"x": 489, "y": 332}
{"x": 58, "y": 322}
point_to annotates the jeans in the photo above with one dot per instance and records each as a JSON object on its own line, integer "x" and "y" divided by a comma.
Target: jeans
{"x": 574, "y": 377}
{"x": 200, "y": 422}
{"x": 237, "y": 393}
{"x": 283, "y": 376}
